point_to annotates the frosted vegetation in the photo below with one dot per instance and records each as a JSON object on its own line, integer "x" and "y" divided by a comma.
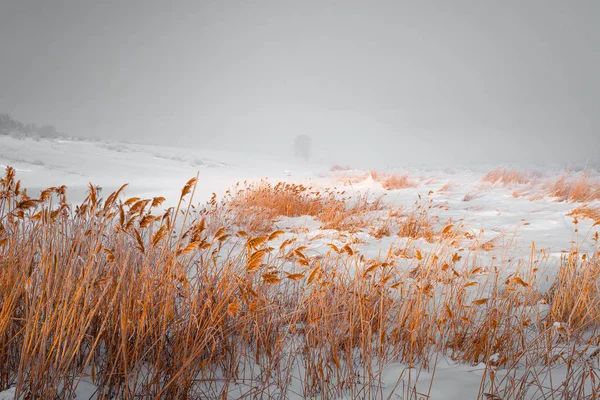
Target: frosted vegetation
{"x": 324, "y": 282}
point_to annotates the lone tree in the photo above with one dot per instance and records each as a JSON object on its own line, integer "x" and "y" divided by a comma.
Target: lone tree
{"x": 302, "y": 146}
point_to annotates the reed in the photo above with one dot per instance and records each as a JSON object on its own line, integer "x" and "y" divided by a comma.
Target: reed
{"x": 151, "y": 303}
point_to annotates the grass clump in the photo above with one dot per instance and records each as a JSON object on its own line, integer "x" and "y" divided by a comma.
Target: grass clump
{"x": 256, "y": 207}
{"x": 393, "y": 181}
{"x": 581, "y": 188}
{"x": 388, "y": 181}
{"x": 507, "y": 177}
{"x": 575, "y": 293}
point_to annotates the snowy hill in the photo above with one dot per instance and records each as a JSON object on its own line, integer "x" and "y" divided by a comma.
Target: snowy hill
{"x": 148, "y": 169}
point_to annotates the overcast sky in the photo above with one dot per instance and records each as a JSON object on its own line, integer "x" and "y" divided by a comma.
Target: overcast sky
{"x": 469, "y": 81}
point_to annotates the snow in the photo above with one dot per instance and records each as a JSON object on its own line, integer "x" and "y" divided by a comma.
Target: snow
{"x": 85, "y": 390}
{"x": 490, "y": 213}
{"x": 8, "y": 394}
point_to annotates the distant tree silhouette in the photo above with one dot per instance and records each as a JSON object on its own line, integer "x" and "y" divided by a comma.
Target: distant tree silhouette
{"x": 10, "y": 126}
{"x": 302, "y": 146}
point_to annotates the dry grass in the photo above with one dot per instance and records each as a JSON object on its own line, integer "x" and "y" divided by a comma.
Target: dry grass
{"x": 575, "y": 293}
{"x": 487, "y": 245}
{"x": 507, "y": 177}
{"x": 470, "y": 196}
{"x": 388, "y": 181}
{"x": 447, "y": 187}
{"x": 393, "y": 181}
{"x": 587, "y": 212}
{"x": 385, "y": 227}
{"x": 418, "y": 223}
{"x": 152, "y": 305}
{"x": 350, "y": 177}
{"x": 580, "y": 188}
{"x": 256, "y": 207}
{"x": 396, "y": 182}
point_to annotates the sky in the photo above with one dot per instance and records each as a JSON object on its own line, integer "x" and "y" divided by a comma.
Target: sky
{"x": 395, "y": 82}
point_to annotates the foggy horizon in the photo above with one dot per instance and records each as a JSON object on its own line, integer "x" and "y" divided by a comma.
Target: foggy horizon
{"x": 390, "y": 82}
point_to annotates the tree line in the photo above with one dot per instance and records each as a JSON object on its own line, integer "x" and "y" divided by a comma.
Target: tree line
{"x": 11, "y": 126}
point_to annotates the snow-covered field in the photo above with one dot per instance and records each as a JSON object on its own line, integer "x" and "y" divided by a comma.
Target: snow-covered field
{"x": 162, "y": 171}
{"x": 509, "y": 229}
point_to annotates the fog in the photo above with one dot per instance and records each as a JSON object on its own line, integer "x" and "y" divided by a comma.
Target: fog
{"x": 371, "y": 82}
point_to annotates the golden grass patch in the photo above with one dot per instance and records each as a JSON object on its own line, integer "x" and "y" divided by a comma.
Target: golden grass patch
{"x": 579, "y": 188}
{"x": 257, "y": 206}
{"x": 392, "y": 181}
{"x": 506, "y": 177}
